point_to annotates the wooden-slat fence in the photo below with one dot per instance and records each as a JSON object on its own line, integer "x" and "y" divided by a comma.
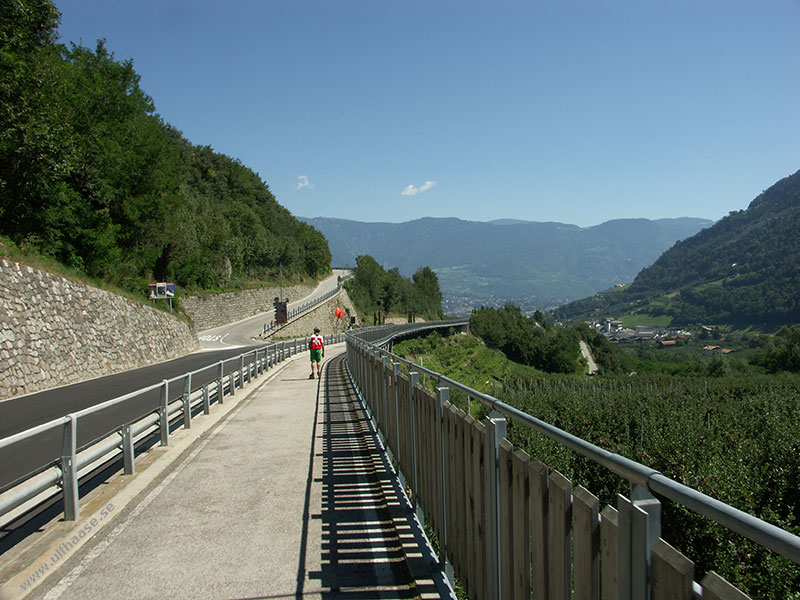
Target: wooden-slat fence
{"x": 507, "y": 525}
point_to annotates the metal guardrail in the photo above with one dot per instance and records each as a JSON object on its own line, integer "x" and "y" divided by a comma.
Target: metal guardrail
{"x": 645, "y": 481}
{"x": 65, "y": 472}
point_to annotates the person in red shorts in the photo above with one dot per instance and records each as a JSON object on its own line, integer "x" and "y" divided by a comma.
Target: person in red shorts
{"x": 316, "y": 346}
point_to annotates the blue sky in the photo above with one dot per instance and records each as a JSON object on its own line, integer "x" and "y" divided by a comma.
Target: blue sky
{"x": 543, "y": 110}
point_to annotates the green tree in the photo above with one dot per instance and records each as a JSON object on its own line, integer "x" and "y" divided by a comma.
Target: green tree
{"x": 784, "y": 354}
{"x": 429, "y": 295}
{"x": 36, "y": 150}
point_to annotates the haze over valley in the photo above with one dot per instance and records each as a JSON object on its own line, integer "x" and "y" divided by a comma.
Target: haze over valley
{"x": 534, "y": 265}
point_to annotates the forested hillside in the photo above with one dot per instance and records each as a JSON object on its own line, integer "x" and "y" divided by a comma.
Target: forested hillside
{"x": 92, "y": 176}
{"x": 744, "y": 270}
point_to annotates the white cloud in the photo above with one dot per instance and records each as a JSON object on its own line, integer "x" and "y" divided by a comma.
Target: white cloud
{"x": 413, "y": 191}
{"x": 303, "y": 182}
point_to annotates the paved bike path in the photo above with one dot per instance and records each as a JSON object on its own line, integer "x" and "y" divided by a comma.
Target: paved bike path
{"x": 287, "y": 497}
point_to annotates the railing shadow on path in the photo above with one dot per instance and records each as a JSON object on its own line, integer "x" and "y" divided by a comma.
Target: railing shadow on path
{"x": 364, "y": 523}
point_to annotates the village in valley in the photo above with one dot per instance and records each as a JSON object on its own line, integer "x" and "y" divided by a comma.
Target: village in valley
{"x": 614, "y": 330}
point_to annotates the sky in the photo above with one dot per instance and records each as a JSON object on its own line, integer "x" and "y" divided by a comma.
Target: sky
{"x": 542, "y": 110}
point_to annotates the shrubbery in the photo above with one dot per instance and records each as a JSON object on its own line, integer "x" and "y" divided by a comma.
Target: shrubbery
{"x": 526, "y": 340}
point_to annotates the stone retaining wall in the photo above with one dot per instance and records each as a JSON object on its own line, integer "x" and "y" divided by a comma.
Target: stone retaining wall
{"x": 54, "y": 331}
{"x": 208, "y": 312}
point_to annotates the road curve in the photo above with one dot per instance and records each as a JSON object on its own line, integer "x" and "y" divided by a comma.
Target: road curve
{"x": 24, "y": 412}
{"x": 241, "y": 333}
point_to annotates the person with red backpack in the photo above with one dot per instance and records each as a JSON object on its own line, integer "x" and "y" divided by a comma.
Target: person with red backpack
{"x": 316, "y": 346}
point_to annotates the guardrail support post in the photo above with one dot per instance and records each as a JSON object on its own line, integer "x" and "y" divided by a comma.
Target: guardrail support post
{"x": 495, "y": 431}
{"x": 163, "y": 417}
{"x": 232, "y": 384}
{"x": 206, "y": 401}
{"x": 241, "y": 370}
{"x": 127, "y": 450}
{"x": 443, "y": 396}
{"x": 220, "y": 391}
{"x": 187, "y": 408}
{"x": 69, "y": 470}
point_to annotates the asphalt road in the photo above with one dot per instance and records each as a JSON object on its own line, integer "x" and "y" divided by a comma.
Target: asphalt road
{"x": 35, "y": 454}
{"x": 241, "y": 333}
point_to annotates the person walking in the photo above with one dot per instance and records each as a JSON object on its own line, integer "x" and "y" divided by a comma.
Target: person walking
{"x": 316, "y": 346}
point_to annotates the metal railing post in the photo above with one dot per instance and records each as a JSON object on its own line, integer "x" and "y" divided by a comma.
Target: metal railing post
{"x": 396, "y": 386}
{"x": 69, "y": 470}
{"x": 206, "y": 401}
{"x": 187, "y": 408}
{"x": 443, "y": 397}
{"x": 241, "y": 370}
{"x": 127, "y": 450}
{"x": 232, "y": 384}
{"x": 495, "y": 431}
{"x": 163, "y": 417}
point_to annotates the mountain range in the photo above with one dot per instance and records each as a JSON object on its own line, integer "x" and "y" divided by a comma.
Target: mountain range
{"x": 536, "y": 265}
{"x": 743, "y": 271}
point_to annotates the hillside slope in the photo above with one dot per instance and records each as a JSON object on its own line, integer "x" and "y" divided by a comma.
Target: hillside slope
{"x": 744, "y": 270}
{"x": 92, "y": 177}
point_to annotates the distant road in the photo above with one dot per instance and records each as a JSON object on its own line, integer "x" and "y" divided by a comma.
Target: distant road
{"x": 241, "y": 333}
{"x": 587, "y": 354}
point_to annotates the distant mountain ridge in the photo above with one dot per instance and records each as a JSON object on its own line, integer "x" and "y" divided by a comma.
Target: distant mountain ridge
{"x": 744, "y": 270}
{"x": 533, "y": 264}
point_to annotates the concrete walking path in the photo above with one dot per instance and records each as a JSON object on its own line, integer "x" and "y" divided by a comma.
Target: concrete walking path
{"x": 286, "y": 497}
